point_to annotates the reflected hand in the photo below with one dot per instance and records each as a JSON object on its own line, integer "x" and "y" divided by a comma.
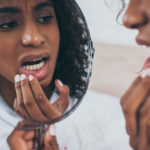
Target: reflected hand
{"x": 24, "y": 139}
{"x": 32, "y": 104}
{"x": 21, "y": 139}
{"x": 136, "y": 108}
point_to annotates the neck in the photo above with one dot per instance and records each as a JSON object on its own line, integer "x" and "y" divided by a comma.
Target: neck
{"x": 7, "y": 91}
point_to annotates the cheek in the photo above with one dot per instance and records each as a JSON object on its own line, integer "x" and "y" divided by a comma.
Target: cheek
{"x": 7, "y": 60}
{"x": 54, "y": 42}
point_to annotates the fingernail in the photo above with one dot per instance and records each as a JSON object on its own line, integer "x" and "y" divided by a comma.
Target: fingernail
{"x": 60, "y": 83}
{"x": 52, "y": 130}
{"x": 17, "y": 78}
{"x": 30, "y": 77}
{"x": 145, "y": 73}
{"x": 23, "y": 76}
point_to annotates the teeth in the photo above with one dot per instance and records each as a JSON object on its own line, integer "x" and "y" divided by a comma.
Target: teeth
{"x": 35, "y": 67}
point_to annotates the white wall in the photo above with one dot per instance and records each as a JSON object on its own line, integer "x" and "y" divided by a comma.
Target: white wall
{"x": 101, "y": 19}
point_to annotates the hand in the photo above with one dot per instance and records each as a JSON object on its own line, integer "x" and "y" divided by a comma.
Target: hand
{"x": 32, "y": 104}
{"x": 24, "y": 140}
{"x": 136, "y": 108}
{"x": 21, "y": 139}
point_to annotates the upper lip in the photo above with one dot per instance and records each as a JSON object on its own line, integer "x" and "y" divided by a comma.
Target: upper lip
{"x": 141, "y": 41}
{"x": 31, "y": 57}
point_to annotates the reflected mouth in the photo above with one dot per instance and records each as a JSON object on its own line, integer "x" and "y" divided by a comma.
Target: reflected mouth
{"x": 36, "y": 65}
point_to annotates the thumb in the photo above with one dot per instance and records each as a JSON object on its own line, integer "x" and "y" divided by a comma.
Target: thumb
{"x": 50, "y": 140}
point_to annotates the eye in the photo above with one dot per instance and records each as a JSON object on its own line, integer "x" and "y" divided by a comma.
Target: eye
{"x": 8, "y": 26}
{"x": 44, "y": 19}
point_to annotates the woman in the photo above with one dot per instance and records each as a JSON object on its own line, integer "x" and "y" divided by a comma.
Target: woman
{"x": 136, "y": 101}
{"x": 42, "y": 41}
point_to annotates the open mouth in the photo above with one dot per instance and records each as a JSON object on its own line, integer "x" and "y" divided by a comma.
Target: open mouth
{"x": 35, "y": 64}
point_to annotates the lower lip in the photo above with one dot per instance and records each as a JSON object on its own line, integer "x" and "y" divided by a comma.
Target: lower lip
{"x": 39, "y": 74}
{"x": 147, "y": 64}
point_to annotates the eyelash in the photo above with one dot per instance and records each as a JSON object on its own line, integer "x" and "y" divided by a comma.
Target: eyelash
{"x": 8, "y": 25}
{"x": 12, "y": 24}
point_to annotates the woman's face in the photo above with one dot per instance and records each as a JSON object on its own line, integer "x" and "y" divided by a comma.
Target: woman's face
{"x": 29, "y": 39}
{"x": 137, "y": 16}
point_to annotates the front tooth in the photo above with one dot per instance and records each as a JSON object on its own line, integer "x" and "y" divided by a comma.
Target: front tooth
{"x": 31, "y": 67}
{"x": 27, "y": 67}
{"x": 41, "y": 65}
{"x": 34, "y": 67}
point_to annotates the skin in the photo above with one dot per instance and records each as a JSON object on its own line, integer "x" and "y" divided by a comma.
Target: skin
{"x": 24, "y": 140}
{"x": 24, "y": 32}
{"x": 30, "y": 33}
{"x": 136, "y": 101}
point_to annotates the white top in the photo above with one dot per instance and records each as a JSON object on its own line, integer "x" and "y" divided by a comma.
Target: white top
{"x": 97, "y": 124}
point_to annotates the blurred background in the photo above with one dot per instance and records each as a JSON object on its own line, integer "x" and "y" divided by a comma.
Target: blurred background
{"x": 118, "y": 60}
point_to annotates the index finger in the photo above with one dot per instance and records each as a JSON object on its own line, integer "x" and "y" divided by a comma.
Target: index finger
{"x": 63, "y": 102}
{"x": 46, "y": 107}
{"x": 130, "y": 90}
{"x": 132, "y": 105}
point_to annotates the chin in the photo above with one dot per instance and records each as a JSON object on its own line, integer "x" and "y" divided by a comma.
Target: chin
{"x": 45, "y": 82}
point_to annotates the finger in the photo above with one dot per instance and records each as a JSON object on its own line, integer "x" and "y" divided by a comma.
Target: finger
{"x": 143, "y": 124}
{"x": 50, "y": 141}
{"x": 29, "y": 101}
{"x": 63, "y": 102}
{"x": 130, "y": 89}
{"x": 133, "y": 142}
{"x": 29, "y": 135}
{"x": 148, "y": 135}
{"x": 15, "y": 140}
{"x": 46, "y": 107}
{"x": 133, "y": 103}
{"x": 18, "y": 103}
{"x": 30, "y": 145}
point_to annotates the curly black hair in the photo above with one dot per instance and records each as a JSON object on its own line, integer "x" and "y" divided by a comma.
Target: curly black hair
{"x": 73, "y": 59}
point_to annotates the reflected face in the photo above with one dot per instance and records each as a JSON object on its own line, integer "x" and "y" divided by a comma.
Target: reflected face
{"x": 29, "y": 39}
{"x": 137, "y": 16}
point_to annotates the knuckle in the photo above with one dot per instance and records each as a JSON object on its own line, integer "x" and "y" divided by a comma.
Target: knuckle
{"x": 17, "y": 86}
{"x": 128, "y": 110}
{"x": 21, "y": 104}
{"x": 40, "y": 99}
{"x": 28, "y": 103}
{"x": 24, "y": 83}
{"x": 143, "y": 112}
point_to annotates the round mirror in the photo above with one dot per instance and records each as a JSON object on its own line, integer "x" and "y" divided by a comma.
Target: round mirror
{"x": 51, "y": 64}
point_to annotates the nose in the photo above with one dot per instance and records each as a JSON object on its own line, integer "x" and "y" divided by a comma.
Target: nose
{"x": 32, "y": 36}
{"x": 135, "y": 16}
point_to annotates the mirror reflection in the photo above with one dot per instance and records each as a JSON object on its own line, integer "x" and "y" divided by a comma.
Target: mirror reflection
{"x": 46, "y": 60}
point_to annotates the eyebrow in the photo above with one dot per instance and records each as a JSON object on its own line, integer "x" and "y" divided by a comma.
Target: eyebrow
{"x": 10, "y": 10}
{"x": 17, "y": 10}
{"x": 41, "y": 5}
